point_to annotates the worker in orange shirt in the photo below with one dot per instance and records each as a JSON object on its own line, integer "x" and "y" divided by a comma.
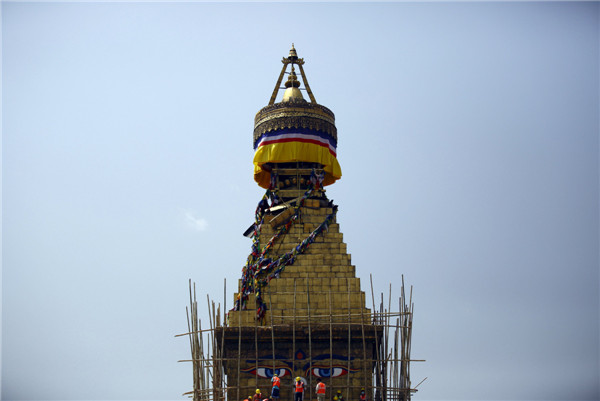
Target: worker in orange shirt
{"x": 320, "y": 390}
{"x": 276, "y": 384}
{"x": 298, "y": 389}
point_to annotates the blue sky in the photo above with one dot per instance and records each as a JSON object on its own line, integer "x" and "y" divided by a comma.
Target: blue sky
{"x": 468, "y": 141}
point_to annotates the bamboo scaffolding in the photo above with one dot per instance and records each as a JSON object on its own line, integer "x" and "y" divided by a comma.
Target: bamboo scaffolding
{"x": 388, "y": 367}
{"x": 268, "y": 359}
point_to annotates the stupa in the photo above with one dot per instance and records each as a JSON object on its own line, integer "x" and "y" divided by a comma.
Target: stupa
{"x": 299, "y": 310}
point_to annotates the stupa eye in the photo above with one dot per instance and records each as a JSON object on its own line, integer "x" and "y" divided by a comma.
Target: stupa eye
{"x": 267, "y": 372}
{"x": 334, "y": 371}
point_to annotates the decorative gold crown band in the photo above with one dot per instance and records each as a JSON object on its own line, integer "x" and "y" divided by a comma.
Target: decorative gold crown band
{"x": 294, "y": 115}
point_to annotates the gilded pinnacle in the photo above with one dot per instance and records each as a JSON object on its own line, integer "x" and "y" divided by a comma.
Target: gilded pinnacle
{"x": 293, "y": 55}
{"x": 292, "y": 80}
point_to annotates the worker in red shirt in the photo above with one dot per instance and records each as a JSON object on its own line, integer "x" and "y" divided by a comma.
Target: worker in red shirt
{"x": 320, "y": 390}
{"x": 257, "y": 396}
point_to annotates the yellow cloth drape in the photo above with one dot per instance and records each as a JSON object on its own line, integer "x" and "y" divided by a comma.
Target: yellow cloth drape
{"x": 291, "y": 152}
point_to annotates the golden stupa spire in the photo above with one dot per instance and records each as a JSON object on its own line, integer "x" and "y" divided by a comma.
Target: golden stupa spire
{"x": 294, "y": 134}
{"x": 292, "y": 59}
{"x": 292, "y": 93}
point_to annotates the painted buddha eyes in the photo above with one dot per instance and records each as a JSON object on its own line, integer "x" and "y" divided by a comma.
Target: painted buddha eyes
{"x": 267, "y": 372}
{"x": 325, "y": 372}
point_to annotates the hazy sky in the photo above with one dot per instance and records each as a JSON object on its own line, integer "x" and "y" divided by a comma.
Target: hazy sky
{"x": 468, "y": 141}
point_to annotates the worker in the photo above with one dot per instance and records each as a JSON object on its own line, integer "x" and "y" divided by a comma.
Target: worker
{"x": 257, "y": 396}
{"x": 276, "y": 384}
{"x": 363, "y": 395}
{"x": 340, "y": 397}
{"x": 320, "y": 390}
{"x": 298, "y": 389}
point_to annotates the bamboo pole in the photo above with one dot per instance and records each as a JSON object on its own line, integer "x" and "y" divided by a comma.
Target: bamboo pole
{"x": 255, "y": 351}
{"x": 310, "y": 375}
{"x": 420, "y": 382}
{"x": 199, "y": 345}
{"x": 190, "y": 329}
{"x": 222, "y": 348}
{"x": 377, "y": 349}
{"x": 272, "y": 333}
{"x": 191, "y": 347}
{"x": 349, "y": 341}
{"x": 239, "y": 353}
{"x": 216, "y": 373}
{"x": 330, "y": 381}
{"x": 366, "y": 370}
{"x": 384, "y": 349}
{"x": 200, "y": 340}
{"x": 396, "y": 344}
{"x": 382, "y": 314}
{"x": 387, "y": 331}
{"x": 402, "y": 377}
{"x": 294, "y": 330}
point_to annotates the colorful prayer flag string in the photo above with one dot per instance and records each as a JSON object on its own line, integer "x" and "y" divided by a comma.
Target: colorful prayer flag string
{"x": 258, "y": 262}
